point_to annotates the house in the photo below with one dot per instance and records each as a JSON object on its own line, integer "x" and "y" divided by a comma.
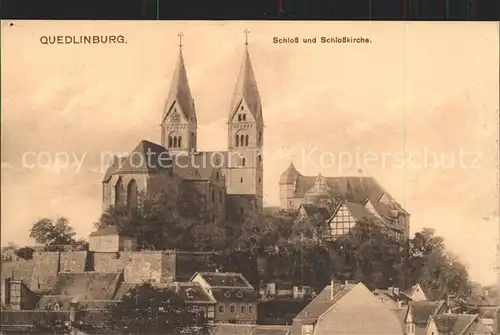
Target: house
{"x": 346, "y": 309}
{"x": 110, "y": 239}
{"x": 235, "y": 298}
{"x": 351, "y": 198}
{"x": 393, "y": 296}
{"x": 396, "y": 297}
{"x": 456, "y": 324}
{"x": 416, "y": 293}
{"x": 418, "y": 314}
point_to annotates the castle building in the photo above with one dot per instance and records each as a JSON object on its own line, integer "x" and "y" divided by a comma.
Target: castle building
{"x": 343, "y": 202}
{"x": 230, "y": 181}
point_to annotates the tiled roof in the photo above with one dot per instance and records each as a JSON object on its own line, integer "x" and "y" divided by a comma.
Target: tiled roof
{"x": 229, "y": 295}
{"x": 192, "y": 292}
{"x": 323, "y": 301}
{"x": 422, "y": 310}
{"x": 180, "y": 91}
{"x": 359, "y": 212}
{"x": 47, "y": 302}
{"x": 87, "y": 285}
{"x": 456, "y": 323}
{"x": 225, "y": 279}
{"x": 352, "y": 189}
{"x": 146, "y": 157}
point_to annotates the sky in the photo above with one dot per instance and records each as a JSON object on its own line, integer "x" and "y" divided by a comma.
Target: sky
{"x": 427, "y": 92}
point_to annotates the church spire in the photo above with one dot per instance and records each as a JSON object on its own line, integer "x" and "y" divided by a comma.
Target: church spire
{"x": 180, "y": 92}
{"x": 246, "y": 87}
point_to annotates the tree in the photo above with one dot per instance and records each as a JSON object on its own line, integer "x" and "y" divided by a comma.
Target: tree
{"x": 146, "y": 309}
{"x": 436, "y": 269}
{"x": 49, "y": 233}
{"x": 9, "y": 252}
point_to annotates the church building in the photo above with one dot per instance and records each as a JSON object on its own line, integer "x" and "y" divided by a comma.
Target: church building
{"x": 231, "y": 180}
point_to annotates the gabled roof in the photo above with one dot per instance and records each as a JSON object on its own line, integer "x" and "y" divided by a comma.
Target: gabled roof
{"x": 422, "y": 310}
{"x": 147, "y": 157}
{"x": 180, "y": 91}
{"x": 224, "y": 280}
{"x": 191, "y": 292}
{"x": 315, "y": 211}
{"x": 323, "y": 301}
{"x": 456, "y": 323}
{"x": 353, "y": 189}
{"x": 289, "y": 175}
{"x": 87, "y": 285}
{"x": 246, "y": 89}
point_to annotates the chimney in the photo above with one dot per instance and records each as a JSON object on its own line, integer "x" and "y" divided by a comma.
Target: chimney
{"x": 331, "y": 289}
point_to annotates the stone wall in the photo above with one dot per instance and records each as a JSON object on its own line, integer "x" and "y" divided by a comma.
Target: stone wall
{"x": 45, "y": 270}
{"x": 73, "y": 261}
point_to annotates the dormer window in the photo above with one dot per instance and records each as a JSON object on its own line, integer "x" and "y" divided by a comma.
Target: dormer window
{"x": 227, "y": 294}
{"x": 239, "y": 294}
{"x": 190, "y": 293}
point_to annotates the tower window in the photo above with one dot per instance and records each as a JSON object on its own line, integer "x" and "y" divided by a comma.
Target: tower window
{"x": 239, "y": 117}
{"x": 241, "y": 180}
{"x": 213, "y": 195}
{"x": 244, "y": 117}
{"x": 179, "y": 142}
{"x": 242, "y": 140}
{"x": 259, "y": 180}
{"x": 217, "y": 175}
{"x": 246, "y": 140}
{"x": 260, "y": 158}
{"x": 241, "y": 108}
{"x": 260, "y": 136}
{"x": 170, "y": 141}
{"x": 220, "y": 197}
{"x": 237, "y": 140}
{"x": 243, "y": 161}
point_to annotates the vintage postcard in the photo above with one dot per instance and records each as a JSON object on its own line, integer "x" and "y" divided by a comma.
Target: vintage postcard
{"x": 301, "y": 178}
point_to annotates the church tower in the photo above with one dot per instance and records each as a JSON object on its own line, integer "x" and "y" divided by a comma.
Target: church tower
{"x": 179, "y": 124}
{"x": 246, "y": 137}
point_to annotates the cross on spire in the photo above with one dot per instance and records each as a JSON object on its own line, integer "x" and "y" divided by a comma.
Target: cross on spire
{"x": 246, "y": 36}
{"x": 180, "y": 39}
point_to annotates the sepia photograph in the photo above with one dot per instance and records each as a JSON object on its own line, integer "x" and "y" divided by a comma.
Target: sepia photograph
{"x": 250, "y": 178}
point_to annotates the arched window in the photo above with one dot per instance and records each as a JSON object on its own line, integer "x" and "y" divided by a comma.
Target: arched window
{"x": 237, "y": 140}
{"x": 243, "y": 161}
{"x": 217, "y": 175}
{"x": 260, "y": 136}
{"x": 241, "y": 180}
{"x": 132, "y": 194}
{"x": 242, "y": 140}
{"x": 239, "y": 117}
{"x": 179, "y": 143}
{"x": 170, "y": 141}
{"x": 260, "y": 158}
{"x": 246, "y": 140}
{"x": 175, "y": 142}
{"x": 244, "y": 117}
{"x": 118, "y": 191}
{"x": 213, "y": 195}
